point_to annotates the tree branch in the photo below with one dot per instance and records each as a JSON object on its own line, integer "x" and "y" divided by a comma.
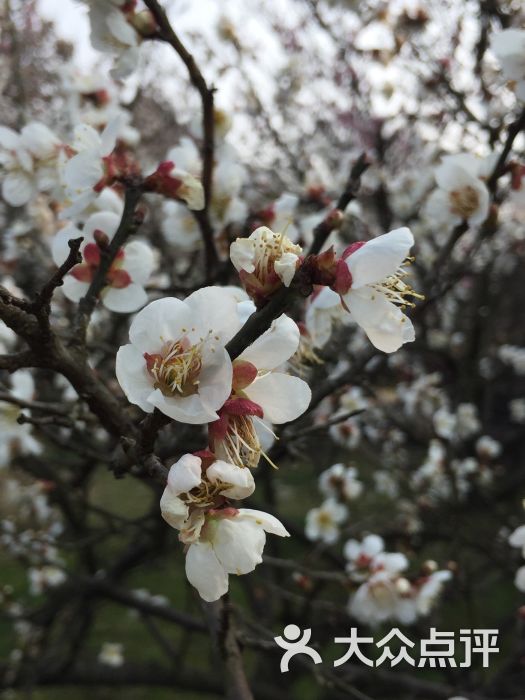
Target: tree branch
{"x": 167, "y": 34}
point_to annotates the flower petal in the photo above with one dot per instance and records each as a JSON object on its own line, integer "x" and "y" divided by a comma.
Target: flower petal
{"x": 186, "y": 409}
{"x": 125, "y": 300}
{"x": 216, "y": 310}
{"x": 240, "y": 478}
{"x": 185, "y": 474}
{"x": 173, "y": 509}
{"x": 274, "y": 347}
{"x": 139, "y": 261}
{"x": 133, "y": 376}
{"x": 380, "y": 257}
{"x": 238, "y": 544}
{"x": 282, "y": 397}
{"x": 161, "y": 321}
{"x": 268, "y": 522}
{"x": 205, "y": 572}
{"x": 17, "y": 188}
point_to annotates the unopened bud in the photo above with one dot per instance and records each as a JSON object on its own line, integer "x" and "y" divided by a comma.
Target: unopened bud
{"x": 429, "y": 567}
{"x": 303, "y": 581}
{"x": 144, "y": 23}
{"x": 403, "y": 586}
{"x": 101, "y": 239}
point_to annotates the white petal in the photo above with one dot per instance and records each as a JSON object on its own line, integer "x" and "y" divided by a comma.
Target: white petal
{"x": 185, "y": 474}
{"x": 380, "y": 257}
{"x": 109, "y": 201}
{"x": 120, "y": 28}
{"x": 392, "y": 332}
{"x": 241, "y": 479}
{"x": 125, "y": 64}
{"x": 186, "y": 156}
{"x": 215, "y": 309}
{"x": 108, "y": 138}
{"x": 173, "y": 509}
{"x": 59, "y": 246}
{"x": 467, "y": 161}
{"x": 367, "y": 306}
{"x": 205, "y": 572}
{"x": 519, "y": 580}
{"x": 191, "y": 190}
{"x": 46, "y": 178}
{"x": 285, "y": 267}
{"x": 9, "y": 139}
{"x": 39, "y": 140}
{"x": 274, "y": 347}
{"x": 189, "y": 409}
{"x": 215, "y": 379}
{"x": 517, "y": 538}
{"x": 104, "y": 221}
{"x": 139, "y": 261}
{"x": 73, "y": 289}
{"x": 282, "y": 397}
{"x": 393, "y": 562}
{"x": 125, "y": 300}
{"x": 161, "y": 321}
{"x": 17, "y": 188}
{"x": 437, "y": 209}
{"x": 268, "y": 522}
{"x": 238, "y": 544}
{"x": 482, "y": 210}
{"x": 82, "y": 171}
{"x": 133, "y": 376}
{"x": 372, "y": 545}
{"x": 86, "y": 138}
{"x": 451, "y": 175}
{"x": 77, "y": 204}
{"x": 242, "y": 254}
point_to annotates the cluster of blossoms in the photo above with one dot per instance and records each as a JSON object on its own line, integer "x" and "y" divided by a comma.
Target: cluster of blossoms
{"x": 440, "y": 477}
{"x": 384, "y": 592}
{"x": 117, "y": 28}
{"x": 29, "y": 161}
{"x": 369, "y": 278}
{"x": 461, "y": 193}
{"x": 220, "y": 538}
{"x": 177, "y": 362}
{"x": 226, "y": 207}
{"x": 339, "y": 484}
{"x": 32, "y": 532}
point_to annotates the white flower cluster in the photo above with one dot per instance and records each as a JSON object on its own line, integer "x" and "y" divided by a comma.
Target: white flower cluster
{"x": 514, "y": 357}
{"x": 339, "y": 484}
{"x": 177, "y": 362}
{"x": 384, "y": 592}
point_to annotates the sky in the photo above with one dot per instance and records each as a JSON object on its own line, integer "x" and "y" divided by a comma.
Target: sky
{"x": 72, "y": 24}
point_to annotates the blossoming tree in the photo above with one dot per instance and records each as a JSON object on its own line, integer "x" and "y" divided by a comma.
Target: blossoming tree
{"x": 261, "y": 275}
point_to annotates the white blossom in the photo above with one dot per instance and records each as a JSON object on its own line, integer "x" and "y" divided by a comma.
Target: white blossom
{"x": 130, "y": 271}
{"x": 322, "y": 524}
{"x": 377, "y": 289}
{"x": 176, "y": 360}
{"x": 228, "y": 544}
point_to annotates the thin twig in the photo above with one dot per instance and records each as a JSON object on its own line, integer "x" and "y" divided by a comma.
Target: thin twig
{"x": 167, "y": 34}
